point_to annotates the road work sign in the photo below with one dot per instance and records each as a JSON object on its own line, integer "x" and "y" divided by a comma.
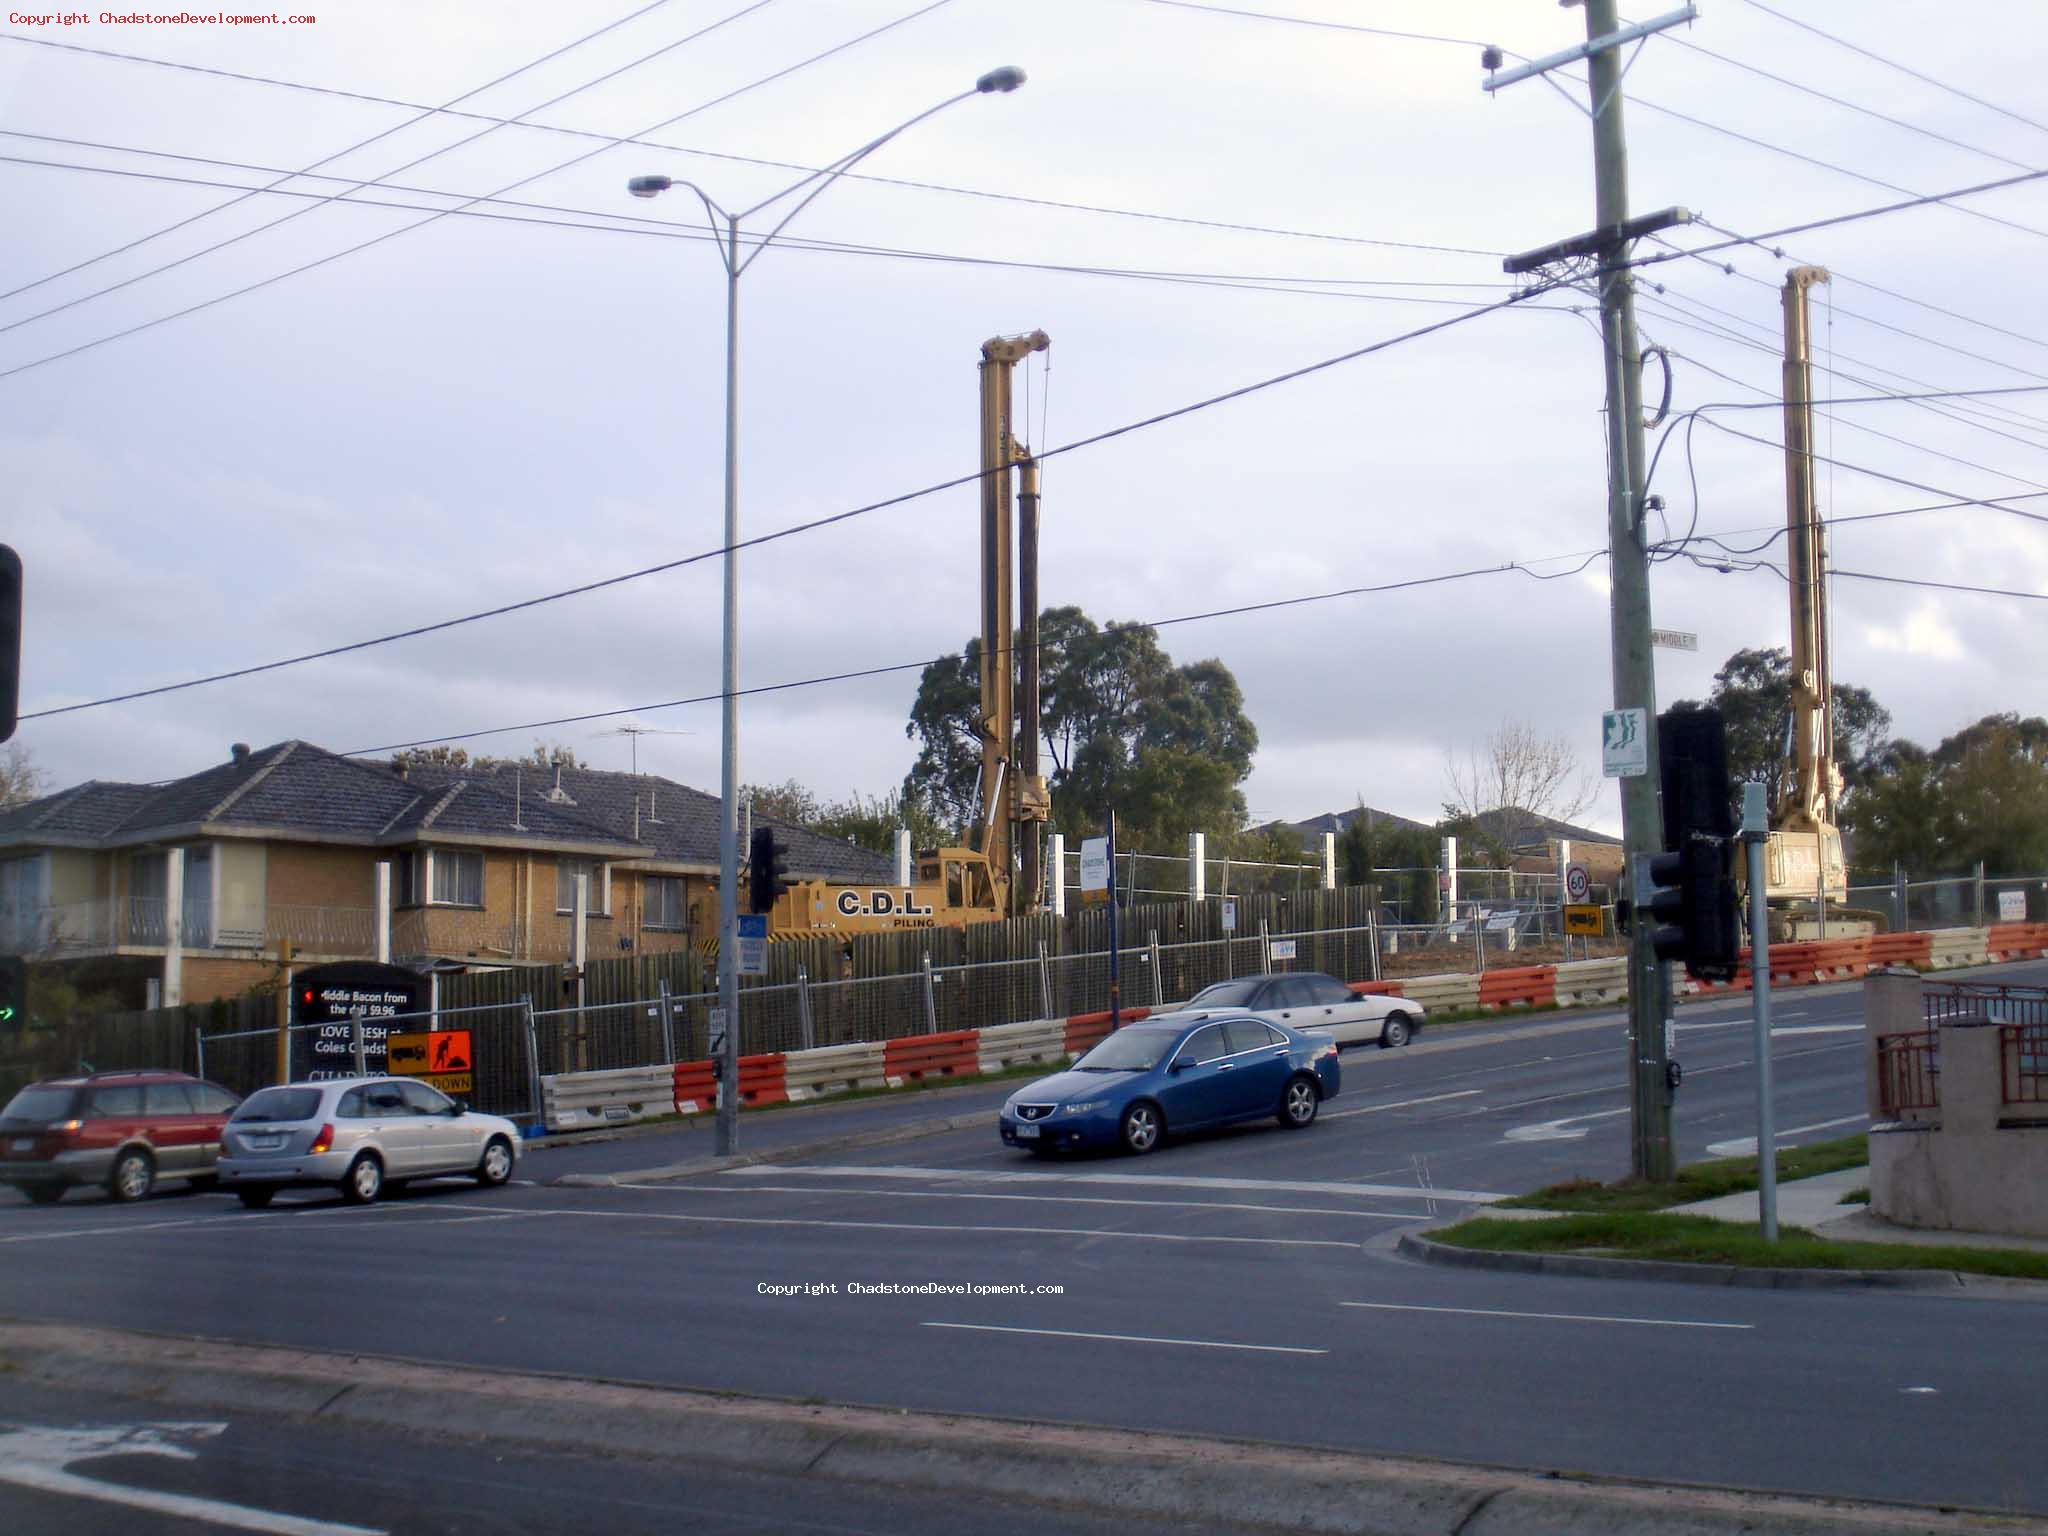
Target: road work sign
{"x": 441, "y": 1057}
{"x": 1582, "y": 919}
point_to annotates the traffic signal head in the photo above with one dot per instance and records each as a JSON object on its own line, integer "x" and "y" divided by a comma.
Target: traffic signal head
{"x": 10, "y": 641}
{"x": 767, "y": 870}
{"x": 13, "y": 993}
{"x": 1692, "y": 903}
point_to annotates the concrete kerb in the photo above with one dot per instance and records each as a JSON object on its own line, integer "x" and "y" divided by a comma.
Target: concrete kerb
{"x": 883, "y": 1136}
{"x": 1592, "y": 1266}
{"x": 1193, "y": 1479}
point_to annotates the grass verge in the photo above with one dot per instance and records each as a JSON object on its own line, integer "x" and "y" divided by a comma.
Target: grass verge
{"x": 1703, "y": 1240}
{"x": 1699, "y": 1181}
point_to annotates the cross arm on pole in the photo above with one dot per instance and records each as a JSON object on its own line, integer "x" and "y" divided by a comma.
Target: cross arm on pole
{"x": 1607, "y": 41}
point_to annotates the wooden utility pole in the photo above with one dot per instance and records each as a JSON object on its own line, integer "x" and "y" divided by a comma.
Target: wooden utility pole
{"x": 284, "y": 1013}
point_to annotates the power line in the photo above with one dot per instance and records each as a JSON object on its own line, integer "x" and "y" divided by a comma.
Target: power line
{"x": 393, "y": 234}
{"x": 1841, "y": 218}
{"x": 1326, "y": 26}
{"x": 861, "y": 673}
{"x": 633, "y": 224}
{"x": 868, "y": 177}
{"x": 418, "y": 117}
{"x": 1674, "y": 40}
{"x": 795, "y": 528}
{"x": 1904, "y": 69}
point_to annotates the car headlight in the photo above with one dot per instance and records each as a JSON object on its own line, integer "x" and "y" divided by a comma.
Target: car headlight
{"x": 1085, "y": 1107}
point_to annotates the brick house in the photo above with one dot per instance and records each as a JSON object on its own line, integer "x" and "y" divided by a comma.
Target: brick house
{"x": 197, "y": 884}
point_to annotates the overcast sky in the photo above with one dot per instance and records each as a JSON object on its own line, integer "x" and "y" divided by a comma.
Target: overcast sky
{"x": 475, "y": 412}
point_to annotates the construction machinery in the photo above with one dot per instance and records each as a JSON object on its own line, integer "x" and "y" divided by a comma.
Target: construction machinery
{"x": 998, "y": 874}
{"x": 1806, "y": 876}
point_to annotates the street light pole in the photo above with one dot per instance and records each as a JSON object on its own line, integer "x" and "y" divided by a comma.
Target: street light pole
{"x": 726, "y": 226}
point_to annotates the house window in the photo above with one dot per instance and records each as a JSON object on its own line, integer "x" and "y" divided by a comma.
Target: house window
{"x": 599, "y": 891}
{"x": 146, "y": 879}
{"x": 664, "y": 895}
{"x": 405, "y": 879}
{"x": 458, "y": 878}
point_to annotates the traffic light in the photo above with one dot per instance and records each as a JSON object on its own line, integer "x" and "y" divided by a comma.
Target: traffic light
{"x": 10, "y": 641}
{"x": 767, "y": 870}
{"x": 13, "y": 993}
{"x": 1692, "y": 902}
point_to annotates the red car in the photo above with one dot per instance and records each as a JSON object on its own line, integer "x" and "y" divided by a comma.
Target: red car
{"x": 122, "y": 1131}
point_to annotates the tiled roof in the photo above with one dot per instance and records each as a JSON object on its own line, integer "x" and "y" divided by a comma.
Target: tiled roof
{"x": 672, "y": 821}
{"x": 85, "y": 811}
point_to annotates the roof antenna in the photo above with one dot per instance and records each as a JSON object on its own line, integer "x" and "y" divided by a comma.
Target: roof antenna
{"x": 518, "y": 796}
{"x": 636, "y": 818}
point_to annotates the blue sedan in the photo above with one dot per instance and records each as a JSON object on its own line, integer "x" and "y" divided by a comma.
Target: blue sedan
{"x": 1175, "y": 1071}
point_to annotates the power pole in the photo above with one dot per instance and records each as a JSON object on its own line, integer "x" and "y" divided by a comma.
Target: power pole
{"x": 1634, "y": 675}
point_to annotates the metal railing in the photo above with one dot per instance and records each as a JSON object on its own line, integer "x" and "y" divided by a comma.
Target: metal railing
{"x": 2023, "y": 1063}
{"x": 1908, "y": 1072}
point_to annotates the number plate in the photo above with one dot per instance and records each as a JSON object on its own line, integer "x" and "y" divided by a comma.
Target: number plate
{"x": 1027, "y": 1132}
{"x": 23, "y": 1144}
{"x": 262, "y": 1143}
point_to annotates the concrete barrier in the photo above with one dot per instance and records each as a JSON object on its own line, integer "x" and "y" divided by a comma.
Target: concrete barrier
{"x": 1521, "y": 986}
{"x": 1952, "y": 947}
{"x": 2016, "y": 941}
{"x": 1442, "y": 992}
{"x": 580, "y": 1101}
{"x": 1004, "y": 1046}
{"x": 762, "y": 1081}
{"x": 833, "y": 1069}
{"x": 1087, "y": 1029}
{"x": 1581, "y": 982}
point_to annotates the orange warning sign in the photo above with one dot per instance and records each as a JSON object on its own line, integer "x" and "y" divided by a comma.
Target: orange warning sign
{"x": 430, "y": 1055}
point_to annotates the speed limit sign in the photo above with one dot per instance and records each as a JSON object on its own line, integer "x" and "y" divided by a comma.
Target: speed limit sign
{"x": 1578, "y": 884}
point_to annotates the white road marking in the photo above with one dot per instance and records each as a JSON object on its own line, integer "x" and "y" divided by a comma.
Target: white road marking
{"x": 1567, "y": 1129}
{"x": 1554, "y": 1317}
{"x": 38, "y": 1458}
{"x": 913, "y": 1226}
{"x": 1816, "y": 1029}
{"x": 964, "y": 1194}
{"x": 1745, "y": 1146}
{"x": 121, "y": 1229}
{"x": 1163, "y": 1180}
{"x": 1373, "y": 1109}
{"x": 1132, "y": 1338}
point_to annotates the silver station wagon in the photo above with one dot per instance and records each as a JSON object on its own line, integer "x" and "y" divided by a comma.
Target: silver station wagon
{"x": 358, "y": 1135}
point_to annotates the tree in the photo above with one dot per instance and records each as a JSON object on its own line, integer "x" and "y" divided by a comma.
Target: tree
{"x": 788, "y": 802}
{"x": 1166, "y": 747}
{"x": 1753, "y": 691}
{"x": 20, "y": 778}
{"x": 1504, "y": 792}
{"x": 544, "y": 755}
{"x": 873, "y": 822}
{"x": 1981, "y": 796}
{"x": 1407, "y": 853}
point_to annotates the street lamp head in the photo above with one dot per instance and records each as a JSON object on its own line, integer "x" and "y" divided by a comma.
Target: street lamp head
{"x": 1008, "y": 78}
{"x": 648, "y": 186}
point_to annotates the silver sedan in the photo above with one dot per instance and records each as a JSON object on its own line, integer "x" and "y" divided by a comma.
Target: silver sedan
{"x": 1310, "y": 1000}
{"x": 358, "y": 1135}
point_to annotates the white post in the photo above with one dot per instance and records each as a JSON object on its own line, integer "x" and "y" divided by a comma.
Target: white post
{"x": 903, "y": 856}
{"x": 383, "y": 918}
{"x": 1329, "y": 861}
{"x": 1564, "y": 863}
{"x": 1448, "y": 885}
{"x": 1198, "y": 885}
{"x": 1056, "y": 856}
{"x": 580, "y": 935}
{"x": 174, "y": 927}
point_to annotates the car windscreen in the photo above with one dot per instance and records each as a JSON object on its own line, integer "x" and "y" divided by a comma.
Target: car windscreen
{"x": 1225, "y": 994}
{"x": 40, "y": 1104}
{"x": 280, "y": 1104}
{"x": 1129, "y": 1050}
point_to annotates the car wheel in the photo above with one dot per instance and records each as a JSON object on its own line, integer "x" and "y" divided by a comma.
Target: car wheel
{"x": 43, "y": 1194}
{"x": 1299, "y": 1102}
{"x": 1142, "y": 1128}
{"x": 133, "y": 1176}
{"x": 496, "y": 1166}
{"x": 1395, "y": 1032}
{"x": 363, "y": 1182}
{"x": 256, "y": 1196}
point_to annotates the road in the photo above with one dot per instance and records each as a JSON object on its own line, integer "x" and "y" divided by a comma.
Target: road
{"x": 1240, "y": 1284}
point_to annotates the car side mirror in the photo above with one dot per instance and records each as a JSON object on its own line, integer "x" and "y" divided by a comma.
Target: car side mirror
{"x": 458, "y": 1106}
{"x": 1180, "y": 1065}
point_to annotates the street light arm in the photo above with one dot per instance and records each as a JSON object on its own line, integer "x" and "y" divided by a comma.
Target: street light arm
{"x": 831, "y": 173}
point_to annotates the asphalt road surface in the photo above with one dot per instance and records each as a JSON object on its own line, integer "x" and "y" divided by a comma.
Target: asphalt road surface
{"x": 1241, "y": 1284}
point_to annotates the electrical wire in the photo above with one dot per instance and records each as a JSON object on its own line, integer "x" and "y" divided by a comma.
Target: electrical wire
{"x": 858, "y": 674}
{"x": 333, "y": 256}
{"x": 1326, "y": 26}
{"x": 793, "y": 529}
{"x": 419, "y": 116}
{"x": 1904, "y": 69}
{"x": 866, "y": 177}
{"x": 364, "y": 183}
{"x": 632, "y": 224}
